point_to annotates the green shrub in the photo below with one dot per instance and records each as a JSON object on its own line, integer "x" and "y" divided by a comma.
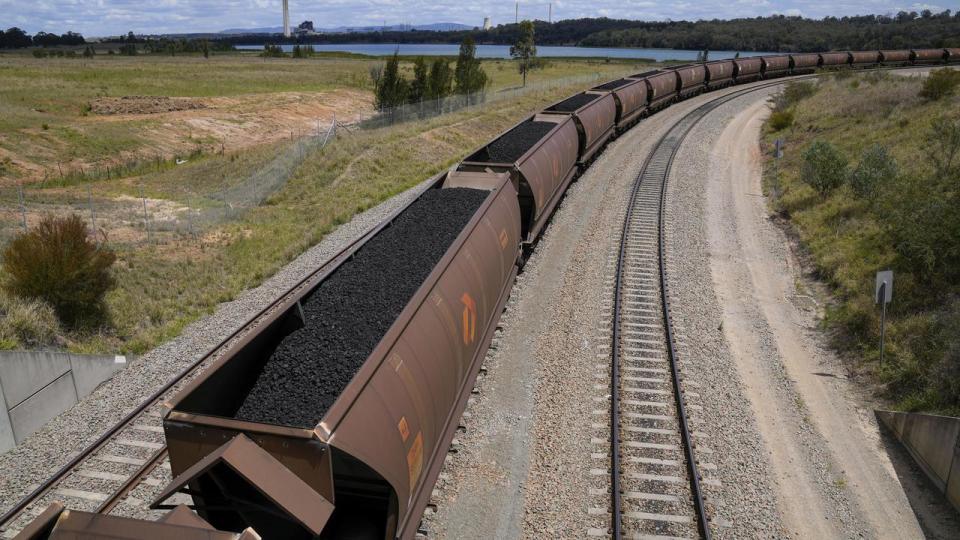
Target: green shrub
{"x": 824, "y": 167}
{"x": 940, "y": 84}
{"x": 57, "y": 262}
{"x": 781, "y": 120}
{"x": 27, "y": 323}
{"x": 876, "y": 169}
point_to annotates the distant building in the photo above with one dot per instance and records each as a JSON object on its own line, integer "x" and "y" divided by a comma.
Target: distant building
{"x": 487, "y": 24}
{"x": 305, "y": 29}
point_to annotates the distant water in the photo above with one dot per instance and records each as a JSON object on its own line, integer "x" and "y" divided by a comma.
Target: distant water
{"x": 503, "y": 51}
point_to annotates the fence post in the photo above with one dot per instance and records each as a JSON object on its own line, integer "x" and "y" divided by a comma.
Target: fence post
{"x": 23, "y": 207}
{"x": 146, "y": 220}
{"x": 93, "y": 214}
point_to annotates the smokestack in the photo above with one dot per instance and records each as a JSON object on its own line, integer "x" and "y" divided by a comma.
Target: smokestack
{"x": 286, "y": 18}
{"x": 550, "y": 14}
{"x": 516, "y": 19}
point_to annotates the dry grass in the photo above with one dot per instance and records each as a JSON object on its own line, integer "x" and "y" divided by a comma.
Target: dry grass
{"x": 27, "y": 324}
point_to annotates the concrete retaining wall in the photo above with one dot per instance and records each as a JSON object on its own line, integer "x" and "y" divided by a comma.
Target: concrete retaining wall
{"x": 934, "y": 442}
{"x": 37, "y": 386}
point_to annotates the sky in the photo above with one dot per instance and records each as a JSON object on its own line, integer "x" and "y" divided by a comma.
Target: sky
{"x": 113, "y": 17}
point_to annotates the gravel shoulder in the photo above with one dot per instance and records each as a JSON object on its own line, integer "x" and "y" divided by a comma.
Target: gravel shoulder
{"x": 831, "y": 475}
{"x": 52, "y": 446}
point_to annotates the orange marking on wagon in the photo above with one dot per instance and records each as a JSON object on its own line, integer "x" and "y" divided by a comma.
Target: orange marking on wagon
{"x": 469, "y": 319}
{"x": 404, "y": 428}
{"x": 504, "y": 239}
{"x": 415, "y": 460}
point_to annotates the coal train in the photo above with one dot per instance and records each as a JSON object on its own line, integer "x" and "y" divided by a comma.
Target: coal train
{"x": 331, "y": 416}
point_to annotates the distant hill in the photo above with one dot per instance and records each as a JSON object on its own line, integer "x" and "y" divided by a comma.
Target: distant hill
{"x": 433, "y": 27}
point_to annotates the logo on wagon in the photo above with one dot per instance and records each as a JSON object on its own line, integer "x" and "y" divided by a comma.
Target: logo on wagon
{"x": 469, "y": 319}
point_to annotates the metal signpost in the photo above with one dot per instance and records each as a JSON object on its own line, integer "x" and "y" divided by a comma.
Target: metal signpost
{"x": 883, "y": 294}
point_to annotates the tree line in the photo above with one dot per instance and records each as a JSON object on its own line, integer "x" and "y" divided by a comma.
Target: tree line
{"x": 773, "y": 33}
{"x": 781, "y": 33}
{"x": 15, "y": 38}
{"x": 430, "y": 82}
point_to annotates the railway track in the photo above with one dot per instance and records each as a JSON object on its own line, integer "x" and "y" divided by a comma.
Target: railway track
{"x": 656, "y": 477}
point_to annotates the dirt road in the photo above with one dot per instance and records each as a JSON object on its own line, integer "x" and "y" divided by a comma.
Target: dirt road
{"x": 824, "y": 448}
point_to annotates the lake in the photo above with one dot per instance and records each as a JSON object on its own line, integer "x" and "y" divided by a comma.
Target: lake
{"x": 503, "y": 51}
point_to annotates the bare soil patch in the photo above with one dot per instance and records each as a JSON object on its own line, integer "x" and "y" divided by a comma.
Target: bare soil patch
{"x": 143, "y": 105}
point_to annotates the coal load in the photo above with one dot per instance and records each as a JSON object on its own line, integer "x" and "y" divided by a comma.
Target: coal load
{"x": 613, "y": 85}
{"x": 348, "y": 314}
{"x": 574, "y": 103}
{"x": 515, "y": 143}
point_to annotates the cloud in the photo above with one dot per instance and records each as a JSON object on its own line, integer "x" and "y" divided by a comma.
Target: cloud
{"x": 112, "y": 17}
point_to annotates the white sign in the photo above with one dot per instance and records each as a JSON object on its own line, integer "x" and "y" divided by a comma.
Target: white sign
{"x": 885, "y": 276}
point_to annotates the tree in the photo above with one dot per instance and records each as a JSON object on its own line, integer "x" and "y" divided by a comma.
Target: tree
{"x": 469, "y": 76}
{"x": 15, "y": 38}
{"x": 824, "y": 167}
{"x": 525, "y": 48}
{"x": 441, "y": 80}
{"x": 421, "y": 82}
{"x": 943, "y": 150}
{"x": 59, "y": 263}
{"x": 391, "y": 88}
{"x": 877, "y": 169}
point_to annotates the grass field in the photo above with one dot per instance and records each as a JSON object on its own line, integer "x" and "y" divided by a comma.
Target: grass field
{"x": 851, "y": 237}
{"x": 169, "y": 282}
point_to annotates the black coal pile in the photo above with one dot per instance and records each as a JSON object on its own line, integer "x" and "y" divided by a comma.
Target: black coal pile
{"x": 348, "y": 314}
{"x": 514, "y": 143}
{"x": 574, "y": 103}
{"x": 613, "y": 85}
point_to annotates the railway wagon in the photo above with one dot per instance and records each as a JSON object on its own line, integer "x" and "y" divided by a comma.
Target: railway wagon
{"x": 631, "y": 99}
{"x": 595, "y": 114}
{"x": 58, "y": 523}
{"x": 804, "y": 63}
{"x": 928, "y": 56}
{"x": 953, "y": 55}
{"x": 366, "y": 467}
{"x": 834, "y": 59}
{"x": 864, "y": 59}
{"x": 719, "y": 74}
{"x": 747, "y": 69}
{"x": 540, "y": 154}
{"x": 661, "y": 88}
{"x": 895, "y": 58}
{"x": 775, "y": 66}
{"x": 691, "y": 79}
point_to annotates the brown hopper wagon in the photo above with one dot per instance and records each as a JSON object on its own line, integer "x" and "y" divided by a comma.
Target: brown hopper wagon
{"x": 368, "y": 466}
{"x": 631, "y": 99}
{"x": 775, "y": 66}
{"x": 928, "y": 56}
{"x": 595, "y": 114}
{"x": 661, "y": 88}
{"x": 540, "y": 171}
{"x": 804, "y": 63}
{"x": 719, "y": 74}
{"x": 747, "y": 69}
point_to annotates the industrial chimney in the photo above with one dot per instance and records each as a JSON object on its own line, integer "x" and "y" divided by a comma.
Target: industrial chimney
{"x": 286, "y": 18}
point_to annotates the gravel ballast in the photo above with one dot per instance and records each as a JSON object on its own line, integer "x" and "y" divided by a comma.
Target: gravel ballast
{"x": 348, "y": 314}
{"x": 514, "y": 143}
{"x": 574, "y": 103}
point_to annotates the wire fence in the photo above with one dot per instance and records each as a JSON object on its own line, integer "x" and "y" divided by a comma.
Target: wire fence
{"x": 437, "y": 107}
{"x": 155, "y": 212}
{"x": 158, "y": 213}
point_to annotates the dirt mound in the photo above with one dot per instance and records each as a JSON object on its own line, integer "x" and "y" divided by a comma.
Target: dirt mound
{"x": 143, "y": 105}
